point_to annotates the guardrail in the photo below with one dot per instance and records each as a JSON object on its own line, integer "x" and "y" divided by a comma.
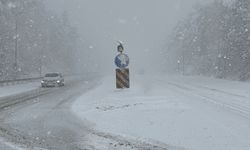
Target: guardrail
{"x": 21, "y": 97}
{"x": 12, "y": 100}
{"x": 18, "y": 81}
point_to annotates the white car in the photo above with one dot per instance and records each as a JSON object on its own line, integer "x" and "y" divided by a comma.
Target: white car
{"x": 52, "y": 80}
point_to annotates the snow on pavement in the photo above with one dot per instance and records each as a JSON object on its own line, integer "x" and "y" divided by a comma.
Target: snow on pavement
{"x": 13, "y": 90}
{"x": 172, "y": 110}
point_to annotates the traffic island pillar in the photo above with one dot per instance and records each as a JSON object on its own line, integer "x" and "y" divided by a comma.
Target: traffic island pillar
{"x": 122, "y": 78}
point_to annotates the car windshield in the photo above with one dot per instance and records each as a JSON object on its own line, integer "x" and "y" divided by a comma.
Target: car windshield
{"x": 124, "y": 74}
{"x": 52, "y": 75}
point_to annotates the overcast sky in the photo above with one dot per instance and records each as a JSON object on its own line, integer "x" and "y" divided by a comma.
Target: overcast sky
{"x": 143, "y": 25}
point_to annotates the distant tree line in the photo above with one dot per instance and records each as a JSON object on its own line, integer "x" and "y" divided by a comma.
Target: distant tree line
{"x": 214, "y": 40}
{"x": 33, "y": 40}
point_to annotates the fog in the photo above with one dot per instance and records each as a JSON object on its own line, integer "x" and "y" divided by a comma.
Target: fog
{"x": 142, "y": 25}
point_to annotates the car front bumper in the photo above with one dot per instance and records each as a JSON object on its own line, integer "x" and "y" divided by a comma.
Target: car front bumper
{"x": 51, "y": 83}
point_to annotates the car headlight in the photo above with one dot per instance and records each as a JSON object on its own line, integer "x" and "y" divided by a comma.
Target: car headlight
{"x": 42, "y": 81}
{"x": 58, "y": 81}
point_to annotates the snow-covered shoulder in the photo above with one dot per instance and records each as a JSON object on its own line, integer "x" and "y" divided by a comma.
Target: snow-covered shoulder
{"x": 172, "y": 110}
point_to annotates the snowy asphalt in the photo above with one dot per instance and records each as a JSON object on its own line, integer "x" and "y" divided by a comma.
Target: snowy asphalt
{"x": 47, "y": 123}
{"x": 202, "y": 113}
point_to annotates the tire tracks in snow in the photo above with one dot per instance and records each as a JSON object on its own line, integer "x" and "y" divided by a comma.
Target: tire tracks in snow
{"x": 69, "y": 132}
{"x": 232, "y": 104}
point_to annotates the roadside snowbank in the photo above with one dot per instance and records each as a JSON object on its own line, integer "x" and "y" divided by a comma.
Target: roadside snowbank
{"x": 158, "y": 108}
{"x": 17, "y": 89}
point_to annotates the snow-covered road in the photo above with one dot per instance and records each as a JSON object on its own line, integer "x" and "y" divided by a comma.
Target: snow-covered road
{"x": 11, "y": 90}
{"x": 46, "y": 122}
{"x": 158, "y": 112}
{"x": 194, "y": 113}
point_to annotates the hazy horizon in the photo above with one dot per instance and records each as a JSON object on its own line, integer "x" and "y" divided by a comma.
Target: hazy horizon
{"x": 143, "y": 26}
